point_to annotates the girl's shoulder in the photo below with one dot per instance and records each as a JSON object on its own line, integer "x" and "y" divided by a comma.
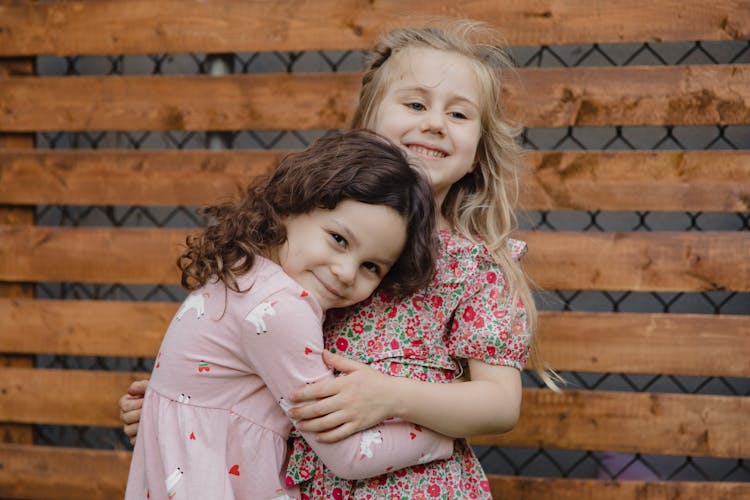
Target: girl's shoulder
{"x": 267, "y": 281}
{"x": 458, "y": 247}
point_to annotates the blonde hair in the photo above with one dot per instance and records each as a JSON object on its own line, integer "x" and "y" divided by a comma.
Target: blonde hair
{"x": 480, "y": 205}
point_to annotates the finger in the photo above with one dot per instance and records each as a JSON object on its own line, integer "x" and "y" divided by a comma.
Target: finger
{"x": 323, "y": 424}
{"x": 138, "y": 388}
{"x": 132, "y": 440}
{"x": 128, "y": 404}
{"x": 130, "y": 417}
{"x": 130, "y": 430}
{"x": 318, "y": 390}
{"x": 337, "y": 434}
{"x": 341, "y": 363}
{"x": 318, "y": 409}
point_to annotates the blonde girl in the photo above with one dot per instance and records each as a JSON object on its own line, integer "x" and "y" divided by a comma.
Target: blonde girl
{"x": 437, "y": 93}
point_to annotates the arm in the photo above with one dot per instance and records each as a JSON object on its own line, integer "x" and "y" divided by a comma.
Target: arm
{"x": 365, "y": 396}
{"x": 288, "y": 355}
{"x": 130, "y": 408}
{"x": 483, "y": 331}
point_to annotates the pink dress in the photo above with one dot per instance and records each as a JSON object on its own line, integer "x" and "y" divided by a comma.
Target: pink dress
{"x": 214, "y": 425}
{"x": 464, "y": 313}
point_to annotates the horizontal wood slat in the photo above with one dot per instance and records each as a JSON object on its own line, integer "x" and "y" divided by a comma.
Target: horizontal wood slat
{"x": 62, "y": 396}
{"x": 60, "y": 473}
{"x": 674, "y": 344}
{"x": 710, "y": 181}
{"x": 572, "y": 341}
{"x": 638, "y": 261}
{"x": 112, "y": 177}
{"x": 545, "y": 97}
{"x": 669, "y": 424}
{"x": 714, "y": 181}
{"x": 84, "y": 327}
{"x": 108, "y": 27}
{"x": 529, "y": 488}
{"x": 75, "y": 473}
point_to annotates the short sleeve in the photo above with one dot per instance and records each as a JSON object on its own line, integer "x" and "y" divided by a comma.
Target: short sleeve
{"x": 487, "y": 325}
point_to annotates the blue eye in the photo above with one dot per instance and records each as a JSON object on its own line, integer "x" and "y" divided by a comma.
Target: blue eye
{"x": 416, "y": 106}
{"x": 459, "y": 115}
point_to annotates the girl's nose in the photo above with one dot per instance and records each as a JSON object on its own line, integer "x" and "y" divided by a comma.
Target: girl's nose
{"x": 345, "y": 271}
{"x": 434, "y": 122}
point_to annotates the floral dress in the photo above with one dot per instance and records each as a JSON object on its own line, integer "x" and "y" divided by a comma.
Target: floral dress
{"x": 466, "y": 312}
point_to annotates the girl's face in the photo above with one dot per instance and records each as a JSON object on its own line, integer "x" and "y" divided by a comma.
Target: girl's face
{"x": 431, "y": 108}
{"x": 341, "y": 255}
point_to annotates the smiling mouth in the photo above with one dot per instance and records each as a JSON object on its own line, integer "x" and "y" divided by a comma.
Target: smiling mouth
{"x": 329, "y": 288}
{"x": 426, "y": 152}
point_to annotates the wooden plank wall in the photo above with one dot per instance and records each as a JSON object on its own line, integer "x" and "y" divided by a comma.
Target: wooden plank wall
{"x": 670, "y": 261}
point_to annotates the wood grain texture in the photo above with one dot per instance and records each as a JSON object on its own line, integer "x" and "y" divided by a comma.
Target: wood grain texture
{"x": 540, "y": 97}
{"x": 637, "y": 343}
{"x": 638, "y": 261}
{"x": 116, "y": 177}
{"x": 75, "y": 473}
{"x": 714, "y": 181}
{"x": 673, "y": 344}
{"x": 84, "y": 327}
{"x": 16, "y": 216}
{"x": 669, "y": 424}
{"x": 141, "y": 26}
{"x": 63, "y": 396}
{"x": 528, "y": 488}
{"x": 60, "y": 473}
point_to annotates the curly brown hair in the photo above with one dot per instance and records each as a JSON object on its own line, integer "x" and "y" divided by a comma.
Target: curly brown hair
{"x": 358, "y": 165}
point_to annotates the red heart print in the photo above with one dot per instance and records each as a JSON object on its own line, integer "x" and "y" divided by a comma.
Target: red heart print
{"x": 412, "y": 435}
{"x": 307, "y": 351}
{"x": 304, "y": 293}
{"x": 235, "y": 470}
{"x": 192, "y": 436}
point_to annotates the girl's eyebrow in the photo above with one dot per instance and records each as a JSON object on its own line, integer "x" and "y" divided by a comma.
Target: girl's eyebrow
{"x": 347, "y": 233}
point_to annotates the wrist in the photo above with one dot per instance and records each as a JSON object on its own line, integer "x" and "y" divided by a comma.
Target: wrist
{"x": 396, "y": 397}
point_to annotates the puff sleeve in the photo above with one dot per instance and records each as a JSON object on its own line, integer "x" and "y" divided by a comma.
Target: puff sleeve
{"x": 488, "y": 325}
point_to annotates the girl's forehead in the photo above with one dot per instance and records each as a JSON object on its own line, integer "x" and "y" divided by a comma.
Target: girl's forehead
{"x": 429, "y": 68}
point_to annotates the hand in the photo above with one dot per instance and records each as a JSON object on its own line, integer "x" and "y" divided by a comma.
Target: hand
{"x": 130, "y": 408}
{"x": 344, "y": 405}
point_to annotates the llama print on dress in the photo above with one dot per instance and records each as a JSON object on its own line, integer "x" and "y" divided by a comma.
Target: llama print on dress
{"x": 258, "y": 313}
{"x": 195, "y": 301}
{"x": 369, "y": 438}
{"x": 171, "y": 481}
